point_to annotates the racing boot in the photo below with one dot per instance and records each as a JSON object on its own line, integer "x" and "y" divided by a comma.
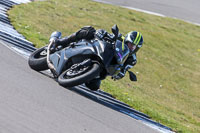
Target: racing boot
{"x": 93, "y": 84}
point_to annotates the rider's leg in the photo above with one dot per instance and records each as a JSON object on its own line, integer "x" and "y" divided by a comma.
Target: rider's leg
{"x": 66, "y": 40}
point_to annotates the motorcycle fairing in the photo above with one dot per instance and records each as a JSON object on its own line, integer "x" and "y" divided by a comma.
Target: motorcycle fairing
{"x": 108, "y": 54}
{"x": 81, "y": 48}
{"x": 60, "y": 58}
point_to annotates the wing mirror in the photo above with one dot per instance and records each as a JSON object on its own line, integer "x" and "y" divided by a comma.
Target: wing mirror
{"x": 55, "y": 35}
{"x": 132, "y": 76}
{"x": 115, "y": 31}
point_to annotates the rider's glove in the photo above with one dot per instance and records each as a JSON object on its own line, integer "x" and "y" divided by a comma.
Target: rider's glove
{"x": 100, "y": 33}
{"x": 127, "y": 68}
{"x": 120, "y": 75}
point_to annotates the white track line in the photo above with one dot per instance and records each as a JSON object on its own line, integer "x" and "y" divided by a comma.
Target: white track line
{"x": 148, "y": 12}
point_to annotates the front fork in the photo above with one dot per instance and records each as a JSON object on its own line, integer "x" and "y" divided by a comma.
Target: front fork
{"x": 50, "y": 65}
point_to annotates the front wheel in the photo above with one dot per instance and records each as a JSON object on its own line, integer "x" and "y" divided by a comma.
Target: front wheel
{"x": 78, "y": 74}
{"x": 38, "y": 59}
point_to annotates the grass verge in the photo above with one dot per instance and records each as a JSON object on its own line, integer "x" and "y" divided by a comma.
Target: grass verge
{"x": 168, "y": 68}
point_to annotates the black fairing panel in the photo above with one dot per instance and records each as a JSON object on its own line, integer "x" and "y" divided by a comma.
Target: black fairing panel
{"x": 108, "y": 54}
{"x": 60, "y": 58}
{"x": 81, "y": 48}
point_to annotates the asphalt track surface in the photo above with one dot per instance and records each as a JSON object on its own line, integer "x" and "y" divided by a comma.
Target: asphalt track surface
{"x": 187, "y": 10}
{"x": 31, "y": 102}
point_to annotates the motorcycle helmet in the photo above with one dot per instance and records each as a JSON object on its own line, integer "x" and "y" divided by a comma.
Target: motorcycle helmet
{"x": 134, "y": 41}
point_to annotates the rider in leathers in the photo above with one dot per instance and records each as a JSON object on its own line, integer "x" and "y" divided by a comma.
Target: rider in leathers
{"x": 133, "y": 40}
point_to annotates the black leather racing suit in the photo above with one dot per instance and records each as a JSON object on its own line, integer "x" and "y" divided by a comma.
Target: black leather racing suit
{"x": 89, "y": 33}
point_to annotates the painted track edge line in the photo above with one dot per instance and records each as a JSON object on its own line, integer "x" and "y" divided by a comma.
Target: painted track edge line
{"x": 148, "y": 12}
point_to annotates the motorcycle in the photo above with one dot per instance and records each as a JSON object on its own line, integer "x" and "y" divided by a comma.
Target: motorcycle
{"x": 82, "y": 61}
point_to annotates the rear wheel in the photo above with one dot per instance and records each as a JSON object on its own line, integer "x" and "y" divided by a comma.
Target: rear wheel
{"x": 38, "y": 59}
{"x": 78, "y": 74}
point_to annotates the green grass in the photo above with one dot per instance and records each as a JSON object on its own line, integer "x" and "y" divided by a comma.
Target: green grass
{"x": 168, "y": 67}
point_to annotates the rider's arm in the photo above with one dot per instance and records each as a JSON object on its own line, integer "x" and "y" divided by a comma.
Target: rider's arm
{"x": 129, "y": 63}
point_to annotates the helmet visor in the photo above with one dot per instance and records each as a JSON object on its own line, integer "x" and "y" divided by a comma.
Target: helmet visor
{"x": 131, "y": 46}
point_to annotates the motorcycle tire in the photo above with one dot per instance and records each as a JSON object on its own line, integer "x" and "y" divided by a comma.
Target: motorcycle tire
{"x": 83, "y": 78}
{"x": 37, "y": 61}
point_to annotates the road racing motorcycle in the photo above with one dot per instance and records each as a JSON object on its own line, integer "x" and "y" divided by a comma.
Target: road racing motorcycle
{"x": 82, "y": 61}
